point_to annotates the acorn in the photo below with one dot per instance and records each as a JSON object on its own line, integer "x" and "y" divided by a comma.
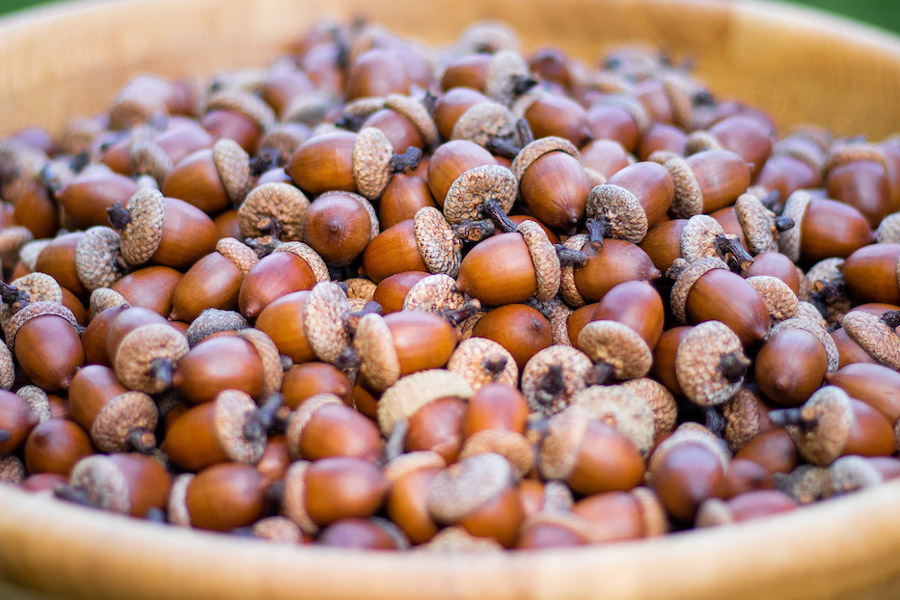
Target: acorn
{"x": 858, "y": 174}
{"x": 211, "y": 179}
{"x": 410, "y": 475}
{"x": 489, "y": 124}
{"x": 617, "y": 351}
{"x": 774, "y": 449}
{"x": 545, "y": 530}
{"x": 636, "y": 304}
{"x": 607, "y": 265}
{"x": 660, "y": 142}
{"x": 212, "y": 321}
{"x": 402, "y": 198}
{"x": 746, "y": 416}
{"x": 824, "y": 287}
{"x": 745, "y": 476}
{"x": 303, "y": 381}
{"x": 775, "y": 264}
{"x": 98, "y": 258}
{"x": 663, "y": 243}
{"x": 88, "y": 196}
{"x": 631, "y": 201}
{"x": 707, "y": 181}
{"x": 797, "y": 162}
{"x": 618, "y": 117}
{"x": 373, "y": 533}
{"x": 482, "y": 362}
{"x": 449, "y": 161}
{"x": 17, "y": 420}
{"x": 324, "y": 426}
{"x": 129, "y": 484}
{"x": 221, "y": 497}
{"x": 36, "y": 210}
{"x": 875, "y": 336}
{"x": 851, "y": 473}
{"x": 273, "y": 209}
{"x": 339, "y": 225}
{"x": 34, "y": 287}
{"x": 148, "y": 96}
{"x": 822, "y": 229}
{"x": 710, "y": 364}
{"x": 664, "y": 357}
{"x": 742, "y": 134}
{"x": 553, "y": 376}
{"x": 292, "y": 267}
{"x": 44, "y": 337}
{"x": 520, "y": 329}
{"x": 145, "y": 350}
{"x": 554, "y": 115}
{"x": 58, "y": 260}
{"x": 622, "y": 409}
{"x": 237, "y": 115}
{"x": 282, "y": 320}
{"x": 406, "y": 122}
{"x": 605, "y": 157}
{"x": 377, "y": 72}
{"x": 743, "y": 507}
{"x": 614, "y": 516}
{"x": 391, "y": 292}
{"x": 152, "y": 288}
{"x": 793, "y": 362}
{"x": 876, "y": 385}
{"x": 872, "y": 273}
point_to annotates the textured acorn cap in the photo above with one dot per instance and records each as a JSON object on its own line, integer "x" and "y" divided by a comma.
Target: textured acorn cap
{"x": 417, "y": 114}
{"x": 808, "y": 312}
{"x": 499, "y": 82}
{"x": 888, "y": 231}
{"x": 356, "y": 304}
{"x": 789, "y": 241}
{"x": 486, "y": 36}
{"x": 98, "y": 258}
{"x": 544, "y": 257}
{"x": 313, "y": 260}
{"x": 325, "y": 312}
{"x": 466, "y": 328}
{"x": 273, "y": 373}
{"x": 686, "y": 281}
{"x": 12, "y": 239}
{"x": 463, "y": 487}
{"x": 878, "y": 340}
{"x": 621, "y": 210}
{"x": 301, "y": 417}
{"x": 360, "y": 288}
{"x": 697, "y": 363}
{"x": 690, "y": 433}
{"x": 742, "y": 414}
{"x": 700, "y": 140}
{"x": 278, "y": 529}
{"x": 293, "y": 503}
{"x": 472, "y": 358}
{"x": 103, "y": 483}
{"x": 177, "y": 506}
{"x": 805, "y": 484}
{"x": 621, "y": 409}
{"x": 483, "y": 122}
{"x": 436, "y": 294}
{"x": 410, "y": 393}
{"x": 852, "y": 152}
{"x": 512, "y": 445}
{"x": 466, "y": 196}
{"x": 280, "y": 202}
{"x": 36, "y": 398}
{"x": 149, "y": 158}
{"x": 795, "y": 147}
{"x": 660, "y": 400}
{"x": 360, "y": 108}
{"x": 372, "y": 153}
{"x": 688, "y": 200}
{"x": 851, "y": 473}
{"x": 282, "y": 141}
{"x": 130, "y": 110}
{"x": 816, "y": 329}
{"x": 574, "y": 366}
{"x": 780, "y": 299}
{"x": 412, "y": 461}
{"x": 31, "y": 311}
{"x": 103, "y": 298}
{"x": 567, "y": 286}
{"x": 830, "y": 409}
{"x": 456, "y": 540}
{"x": 35, "y": 287}
{"x": 122, "y": 414}
{"x": 617, "y": 345}
{"x": 627, "y": 102}
{"x": 240, "y": 254}
{"x": 538, "y": 148}
{"x": 245, "y": 103}
{"x": 679, "y": 96}
{"x": 28, "y": 254}
{"x": 758, "y": 224}
{"x": 438, "y": 245}
{"x": 213, "y": 320}
{"x": 12, "y": 470}
{"x": 138, "y": 351}
{"x": 559, "y": 448}
{"x": 233, "y": 166}
{"x": 230, "y": 414}
{"x": 827, "y": 272}
{"x": 143, "y": 233}
{"x": 373, "y": 342}
{"x": 698, "y": 238}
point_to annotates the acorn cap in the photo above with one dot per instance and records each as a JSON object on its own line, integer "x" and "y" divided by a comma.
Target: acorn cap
{"x": 621, "y": 409}
{"x": 698, "y": 359}
{"x": 282, "y": 141}
{"x": 324, "y": 313}
{"x": 618, "y": 346}
{"x": 538, "y": 148}
{"x": 743, "y": 414}
{"x": 12, "y": 470}
{"x": 826, "y": 272}
{"x": 816, "y": 329}
{"x": 698, "y": 238}
{"x": 544, "y": 258}
{"x": 293, "y": 503}
{"x": 412, "y": 461}
{"x": 653, "y": 514}
{"x": 149, "y": 158}
{"x": 621, "y": 210}
{"x": 373, "y": 341}
{"x": 878, "y": 340}
{"x": 410, "y": 393}
{"x": 360, "y": 288}
{"x": 758, "y": 224}
{"x": 232, "y": 408}
{"x": 559, "y": 448}
{"x": 557, "y": 497}
{"x": 521, "y": 104}
{"x": 853, "y": 152}
{"x": 851, "y": 473}
{"x": 700, "y": 140}
{"x": 466, "y": 196}
{"x": 780, "y": 299}
{"x": 273, "y": 373}
{"x": 372, "y": 153}
{"x": 245, "y": 103}
{"x": 463, "y": 487}
{"x": 627, "y": 102}
{"x": 98, "y": 258}
{"x": 831, "y": 412}
{"x": 313, "y": 260}
{"x": 808, "y": 312}
{"x": 177, "y": 506}
{"x": 301, "y": 416}
{"x": 481, "y": 361}
{"x": 417, "y": 114}
{"x": 121, "y": 415}
{"x": 240, "y": 254}
{"x": 360, "y": 108}
{"x": 130, "y": 110}
{"x": 104, "y": 483}
{"x": 103, "y": 298}
{"x": 278, "y": 529}
{"x": 805, "y": 484}
{"x": 567, "y": 286}
{"x": 798, "y": 149}
{"x": 789, "y": 241}
{"x": 679, "y": 97}
{"x": 36, "y": 398}
{"x": 690, "y": 433}
{"x": 888, "y": 231}
{"x": 11, "y": 241}
{"x": 713, "y": 513}
{"x": 512, "y": 445}
{"x": 273, "y": 202}
{"x": 440, "y": 249}
{"x": 500, "y": 73}
{"x": 143, "y": 233}
{"x": 213, "y": 320}
{"x": 486, "y": 36}
{"x": 571, "y": 366}
{"x": 483, "y": 122}
{"x": 233, "y": 166}
{"x": 35, "y": 287}
{"x": 436, "y": 294}
{"x": 688, "y": 200}
{"x": 456, "y": 540}
{"x": 686, "y": 281}
{"x": 28, "y": 254}
{"x": 31, "y": 311}
{"x": 660, "y": 400}
{"x": 139, "y": 351}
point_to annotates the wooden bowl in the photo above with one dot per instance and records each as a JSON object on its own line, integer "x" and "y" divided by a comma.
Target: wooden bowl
{"x": 69, "y": 60}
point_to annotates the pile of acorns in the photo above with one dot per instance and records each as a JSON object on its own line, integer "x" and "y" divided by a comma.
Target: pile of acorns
{"x": 375, "y": 296}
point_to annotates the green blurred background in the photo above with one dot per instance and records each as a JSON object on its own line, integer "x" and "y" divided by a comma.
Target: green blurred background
{"x": 881, "y": 13}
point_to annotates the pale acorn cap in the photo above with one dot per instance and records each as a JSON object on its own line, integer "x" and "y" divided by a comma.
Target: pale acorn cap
{"x": 621, "y": 209}
{"x": 213, "y": 320}
{"x": 698, "y": 238}
{"x": 410, "y": 393}
{"x": 269, "y": 202}
{"x": 177, "y": 510}
{"x": 440, "y": 249}
{"x": 621, "y": 409}
{"x": 372, "y": 153}
{"x": 795, "y": 208}
{"x": 808, "y": 312}
{"x": 624, "y": 99}
{"x": 28, "y": 254}
{"x": 573, "y": 366}
{"x": 690, "y": 433}
{"x": 276, "y": 529}
{"x": 143, "y": 233}
{"x": 653, "y": 514}
{"x": 37, "y": 287}
{"x": 483, "y": 122}
{"x": 686, "y": 280}
{"x": 37, "y": 399}
{"x": 805, "y": 484}
{"x": 360, "y": 108}
{"x": 281, "y": 140}
{"x": 300, "y": 418}
{"x": 233, "y": 166}
{"x": 481, "y": 362}
{"x": 499, "y": 75}
{"x": 698, "y": 359}
{"x": 409, "y": 462}
{"x": 273, "y": 373}
{"x": 466, "y": 196}
{"x": 12, "y": 469}
{"x": 699, "y": 141}
{"x": 538, "y": 148}
{"x": 149, "y": 158}
{"x": 12, "y": 239}
{"x": 547, "y": 269}
{"x": 567, "y": 286}
{"x": 456, "y": 540}
{"x": 713, "y": 512}
{"x": 780, "y": 300}
{"x": 743, "y": 414}
{"x": 617, "y": 345}
{"x": 557, "y": 497}
{"x": 797, "y": 149}
{"x": 131, "y": 109}
{"x": 831, "y": 411}
{"x": 758, "y": 224}
{"x": 240, "y": 254}
{"x": 486, "y": 35}
{"x": 417, "y": 114}
{"x": 436, "y": 294}
{"x": 559, "y": 448}
{"x": 313, "y": 260}
{"x": 463, "y": 487}
{"x": 688, "y": 200}
{"x": 660, "y": 400}
{"x": 139, "y": 350}
{"x": 103, "y": 298}
{"x": 31, "y": 311}
{"x": 512, "y": 445}
{"x": 818, "y": 330}
{"x": 245, "y": 103}
{"x": 878, "y": 340}
{"x": 98, "y": 258}
{"x": 851, "y": 473}
{"x": 103, "y": 483}
{"x": 293, "y": 502}
{"x": 888, "y": 231}
{"x": 325, "y": 312}
{"x": 360, "y": 288}
{"x": 123, "y": 413}
{"x": 380, "y": 364}
{"x": 847, "y": 153}
{"x": 232, "y": 408}
{"x": 827, "y": 272}
{"x": 679, "y": 96}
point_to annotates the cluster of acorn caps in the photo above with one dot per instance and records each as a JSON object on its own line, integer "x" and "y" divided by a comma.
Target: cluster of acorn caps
{"x": 376, "y": 296}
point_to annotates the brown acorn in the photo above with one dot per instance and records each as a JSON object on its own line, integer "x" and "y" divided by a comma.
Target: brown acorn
{"x": 402, "y": 198}
{"x": 152, "y": 288}
{"x": 17, "y": 420}
{"x": 410, "y": 475}
{"x": 872, "y": 273}
{"x": 520, "y": 329}
{"x": 45, "y": 340}
{"x": 223, "y": 497}
{"x": 58, "y": 259}
{"x": 145, "y": 350}
{"x": 218, "y": 364}
{"x": 793, "y": 362}
{"x": 858, "y": 174}
{"x": 553, "y": 376}
{"x": 775, "y": 264}
{"x": 876, "y": 385}
{"x": 707, "y": 181}
{"x": 613, "y": 516}
{"x": 615, "y": 262}
{"x": 632, "y": 201}
{"x": 663, "y": 243}
{"x": 667, "y": 140}
{"x": 822, "y": 229}
{"x": 237, "y": 115}
{"x": 797, "y": 162}
{"x": 129, "y": 484}
{"x": 87, "y": 197}
{"x": 339, "y": 225}
{"x": 210, "y": 179}
{"x": 323, "y": 426}
{"x": 296, "y": 267}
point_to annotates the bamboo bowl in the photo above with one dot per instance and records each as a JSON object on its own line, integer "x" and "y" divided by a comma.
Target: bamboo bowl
{"x": 800, "y": 66}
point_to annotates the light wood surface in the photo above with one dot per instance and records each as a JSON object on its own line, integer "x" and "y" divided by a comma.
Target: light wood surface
{"x": 69, "y": 60}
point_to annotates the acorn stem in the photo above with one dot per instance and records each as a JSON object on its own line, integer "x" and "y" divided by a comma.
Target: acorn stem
{"x": 393, "y": 447}
{"x": 494, "y": 211}
{"x": 772, "y": 200}
{"x": 553, "y": 381}
{"x": 732, "y": 252}
{"x": 733, "y": 366}
{"x": 600, "y": 374}
{"x": 74, "y": 495}
{"x": 455, "y": 316}
{"x": 792, "y": 416}
{"x": 429, "y": 100}
{"x": 783, "y": 224}
{"x": 348, "y": 359}
{"x": 9, "y": 294}
{"x": 474, "y": 231}
{"x": 406, "y": 162}
{"x": 263, "y": 245}
{"x": 350, "y": 122}
{"x": 522, "y": 83}
{"x": 162, "y": 369}
{"x": 268, "y": 158}
{"x": 715, "y": 422}
{"x": 494, "y": 365}
{"x": 891, "y": 318}
{"x": 286, "y": 362}
{"x": 598, "y": 229}
{"x": 523, "y": 128}
{"x": 570, "y": 256}
{"x": 119, "y": 216}
{"x": 270, "y": 226}
{"x": 502, "y": 147}
{"x": 352, "y": 322}
{"x": 260, "y": 420}
{"x": 5, "y": 435}
{"x": 141, "y": 440}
